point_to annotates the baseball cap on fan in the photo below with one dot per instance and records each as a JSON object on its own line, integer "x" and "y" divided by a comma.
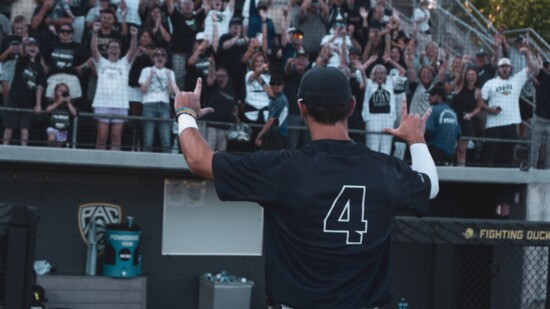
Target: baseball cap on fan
{"x": 324, "y": 86}
{"x": 504, "y": 61}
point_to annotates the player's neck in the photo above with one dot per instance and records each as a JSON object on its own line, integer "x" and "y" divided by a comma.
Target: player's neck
{"x": 338, "y": 131}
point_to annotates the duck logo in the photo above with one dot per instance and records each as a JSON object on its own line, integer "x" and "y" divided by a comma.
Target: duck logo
{"x": 102, "y": 214}
{"x": 469, "y": 233}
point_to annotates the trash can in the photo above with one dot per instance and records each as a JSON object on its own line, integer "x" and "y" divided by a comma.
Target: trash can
{"x": 122, "y": 258}
{"x": 223, "y": 295}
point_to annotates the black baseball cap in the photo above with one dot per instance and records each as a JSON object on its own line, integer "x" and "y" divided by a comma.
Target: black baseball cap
{"x": 31, "y": 41}
{"x": 481, "y": 52}
{"x": 276, "y": 79}
{"x": 438, "y": 90}
{"x": 324, "y": 86}
{"x": 520, "y": 38}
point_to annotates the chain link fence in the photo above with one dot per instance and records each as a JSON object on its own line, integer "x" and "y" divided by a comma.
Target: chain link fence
{"x": 470, "y": 264}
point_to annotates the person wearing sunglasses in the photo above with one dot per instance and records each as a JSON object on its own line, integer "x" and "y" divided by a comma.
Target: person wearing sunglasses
{"x": 64, "y": 55}
{"x": 291, "y": 42}
{"x": 156, "y": 86}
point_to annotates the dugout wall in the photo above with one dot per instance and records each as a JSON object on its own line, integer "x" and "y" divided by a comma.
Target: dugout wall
{"x": 436, "y": 266}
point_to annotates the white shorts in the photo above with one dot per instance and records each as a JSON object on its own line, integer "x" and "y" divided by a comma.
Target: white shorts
{"x": 111, "y": 111}
{"x": 60, "y": 135}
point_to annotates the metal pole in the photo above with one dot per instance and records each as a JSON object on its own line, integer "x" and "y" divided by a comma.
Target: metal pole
{"x": 75, "y": 131}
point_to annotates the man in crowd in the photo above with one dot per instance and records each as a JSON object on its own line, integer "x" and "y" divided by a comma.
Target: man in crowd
{"x": 502, "y": 97}
{"x": 273, "y": 134}
{"x": 295, "y": 68}
{"x": 442, "y": 128}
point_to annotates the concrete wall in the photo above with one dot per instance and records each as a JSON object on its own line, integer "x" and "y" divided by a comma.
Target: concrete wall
{"x": 57, "y": 181}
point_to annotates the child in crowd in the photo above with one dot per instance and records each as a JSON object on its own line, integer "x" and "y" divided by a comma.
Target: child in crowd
{"x": 61, "y": 111}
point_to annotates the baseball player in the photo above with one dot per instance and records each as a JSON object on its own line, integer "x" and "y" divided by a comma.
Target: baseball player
{"x": 329, "y": 206}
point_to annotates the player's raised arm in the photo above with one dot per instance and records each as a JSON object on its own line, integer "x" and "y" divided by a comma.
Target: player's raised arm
{"x": 412, "y": 129}
{"x": 195, "y": 150}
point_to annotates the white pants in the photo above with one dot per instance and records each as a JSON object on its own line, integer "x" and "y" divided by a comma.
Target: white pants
{"x": 375, "y": 139}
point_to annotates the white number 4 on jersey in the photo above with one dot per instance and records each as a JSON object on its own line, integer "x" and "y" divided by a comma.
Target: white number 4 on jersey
{"x": 347, "y": 215}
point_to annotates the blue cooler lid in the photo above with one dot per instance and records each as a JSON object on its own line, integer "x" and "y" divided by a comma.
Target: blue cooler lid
{"x": 122, "y": 227}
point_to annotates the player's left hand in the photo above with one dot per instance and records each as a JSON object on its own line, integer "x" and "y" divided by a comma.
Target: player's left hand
{"x": 191, "y": 100}
{"x": 412, "y": 126}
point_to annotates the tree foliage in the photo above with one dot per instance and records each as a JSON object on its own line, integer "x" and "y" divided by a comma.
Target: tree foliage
{"x": 517, "y": 14}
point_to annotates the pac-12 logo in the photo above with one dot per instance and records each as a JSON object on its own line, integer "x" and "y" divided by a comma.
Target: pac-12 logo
{"x": 102, "y": 214}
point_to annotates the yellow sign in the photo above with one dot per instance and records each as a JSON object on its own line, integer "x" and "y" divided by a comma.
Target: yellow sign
{"x": 505, "y": 234}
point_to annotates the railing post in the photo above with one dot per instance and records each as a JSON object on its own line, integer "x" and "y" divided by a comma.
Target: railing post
{"x": 75, "y": 131}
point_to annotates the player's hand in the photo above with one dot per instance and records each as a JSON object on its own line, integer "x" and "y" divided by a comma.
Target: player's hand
{"x": 191, "y": 100}
{"x": 412, "y": 127}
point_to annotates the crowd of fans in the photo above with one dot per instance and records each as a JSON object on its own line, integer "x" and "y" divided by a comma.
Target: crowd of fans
{"x": 124, "y": 58}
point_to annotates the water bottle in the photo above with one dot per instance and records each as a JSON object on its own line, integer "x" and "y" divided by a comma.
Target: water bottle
{"x": 403, "y": 304}
{"x": 91, "y": 256}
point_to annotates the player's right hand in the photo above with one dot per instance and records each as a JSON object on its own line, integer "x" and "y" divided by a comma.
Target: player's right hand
{"x": 191, "y": 100}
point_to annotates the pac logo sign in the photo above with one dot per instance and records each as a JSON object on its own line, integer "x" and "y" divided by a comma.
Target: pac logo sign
{"x": 102, "y": 214}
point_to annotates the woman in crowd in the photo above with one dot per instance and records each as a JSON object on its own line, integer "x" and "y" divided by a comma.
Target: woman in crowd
{"x": 379, "y": 110}
{"x": 258, "y": 92}
{"x": 159, "y": 28}
{"x": 420, "y": 84}
{"x": 112, "y": 77}
{"x": 467, "y": 103}
{"x": 61, "y": 109}
{"x": 156, "y": 85}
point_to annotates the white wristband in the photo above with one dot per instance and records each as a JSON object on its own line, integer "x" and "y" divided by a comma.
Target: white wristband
{"x": 186, "y": 121}
{"x": 422, "y": 162}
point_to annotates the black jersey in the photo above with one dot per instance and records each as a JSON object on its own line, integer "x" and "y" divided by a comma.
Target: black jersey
{"x": 328, "y": 209}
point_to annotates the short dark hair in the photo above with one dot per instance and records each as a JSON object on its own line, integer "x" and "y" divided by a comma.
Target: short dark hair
{"x": 109, "y": 11}
{"x": 19, "y": 19}
{"x": 327, "y": 114}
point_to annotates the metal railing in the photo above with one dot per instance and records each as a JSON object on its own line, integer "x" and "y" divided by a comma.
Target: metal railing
{"x": 82, "y": 134}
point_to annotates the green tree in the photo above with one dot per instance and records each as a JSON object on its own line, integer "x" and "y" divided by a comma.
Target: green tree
{"x": 517, "y": 14}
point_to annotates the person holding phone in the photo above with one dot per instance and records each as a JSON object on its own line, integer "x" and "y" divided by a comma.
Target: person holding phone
{"x": 25, "y": 91}
{"x": 61, "y": 111}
